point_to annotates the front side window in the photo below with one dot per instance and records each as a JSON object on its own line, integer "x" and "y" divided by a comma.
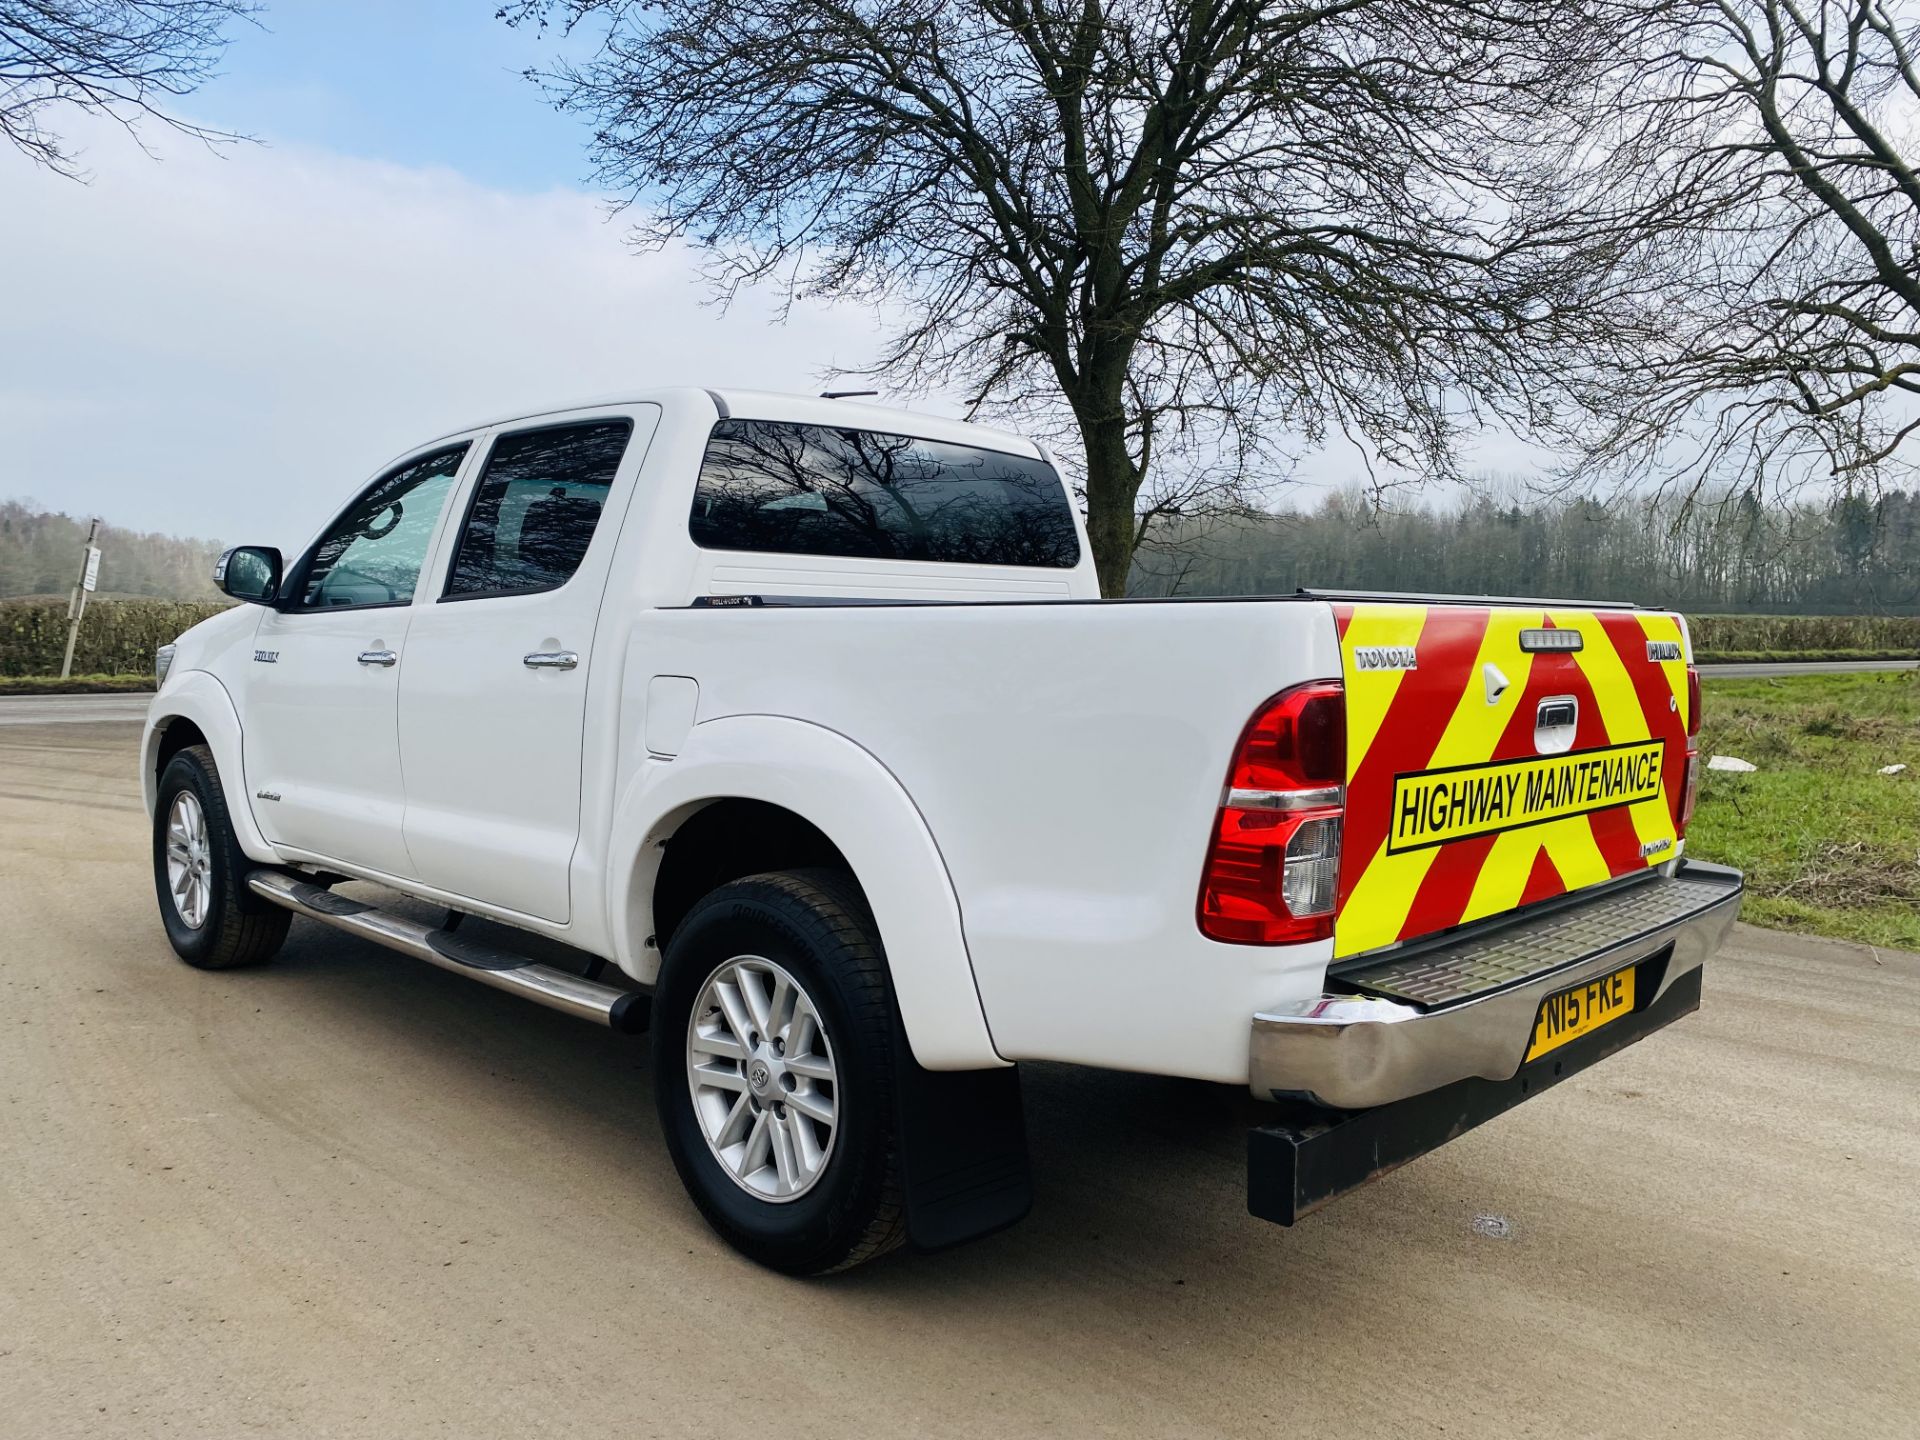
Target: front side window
{"x": 535, "y": 509}
{"x": 373, "y": 553}
{"x": 819, "y": 490}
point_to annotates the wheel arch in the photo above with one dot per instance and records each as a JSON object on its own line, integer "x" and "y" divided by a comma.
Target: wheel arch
{"x": 727, "y": 839}
{"x": 196, "y": 709}
{"x": 826, "y": 800}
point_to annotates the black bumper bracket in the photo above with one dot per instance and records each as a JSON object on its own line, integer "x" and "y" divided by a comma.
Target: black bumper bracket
{"x": 1295, "y": 1168}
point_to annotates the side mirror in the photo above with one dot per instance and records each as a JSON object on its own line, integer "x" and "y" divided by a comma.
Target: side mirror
{"x": 250, "y": 573}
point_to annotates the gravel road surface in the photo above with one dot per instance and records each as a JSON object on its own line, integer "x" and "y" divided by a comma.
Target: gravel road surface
{"x": 348, "y": 1195}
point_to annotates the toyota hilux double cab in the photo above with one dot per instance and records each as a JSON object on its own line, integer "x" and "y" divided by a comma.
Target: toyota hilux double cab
{"x": 800, "y": 726}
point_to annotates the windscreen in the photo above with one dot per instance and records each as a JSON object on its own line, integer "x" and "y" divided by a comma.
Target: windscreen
{"x": 791, "y": 489}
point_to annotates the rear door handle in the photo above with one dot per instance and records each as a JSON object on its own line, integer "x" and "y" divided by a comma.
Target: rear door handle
{"x": 551, "y": 660}
{"x": 378, "y": 657}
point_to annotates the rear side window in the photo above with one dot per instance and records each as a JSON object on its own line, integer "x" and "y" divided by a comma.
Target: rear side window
{"x": 817, "y": 490}
{"x": 535, "y": 509}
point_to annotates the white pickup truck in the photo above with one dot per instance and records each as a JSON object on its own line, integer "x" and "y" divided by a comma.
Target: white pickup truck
{"x": 799, "y": 723}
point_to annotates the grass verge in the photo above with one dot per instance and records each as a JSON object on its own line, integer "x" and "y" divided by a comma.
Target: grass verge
{"x": 73, "y": 684}
{"x": 1830, "y": 846}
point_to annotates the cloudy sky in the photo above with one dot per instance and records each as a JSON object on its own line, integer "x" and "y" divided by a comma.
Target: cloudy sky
{"x": 228, "y": 343}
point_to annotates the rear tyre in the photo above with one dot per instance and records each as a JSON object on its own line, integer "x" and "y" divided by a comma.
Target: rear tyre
{"x": 773, "y": 1071}
{"x": 199, "y": 872}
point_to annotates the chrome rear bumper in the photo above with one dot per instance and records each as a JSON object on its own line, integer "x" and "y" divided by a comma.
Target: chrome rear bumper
{"x": 1367, "y": 1042}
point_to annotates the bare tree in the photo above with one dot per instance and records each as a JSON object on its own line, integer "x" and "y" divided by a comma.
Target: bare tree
{"x": 121, "y": 58}
{"x": 1781, "y": 320}
{"x": 1187, "y": 228}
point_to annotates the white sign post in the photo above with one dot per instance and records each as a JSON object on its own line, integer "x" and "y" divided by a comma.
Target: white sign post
{"x": 77, "y": 606}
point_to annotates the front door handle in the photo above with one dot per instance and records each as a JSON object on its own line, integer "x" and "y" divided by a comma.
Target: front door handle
{"x": 379, "y": 657}
{"x": 551, "y": 660}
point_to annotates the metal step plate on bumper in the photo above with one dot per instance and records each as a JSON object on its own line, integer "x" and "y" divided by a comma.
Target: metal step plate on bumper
{"x": 1442, "y": 975}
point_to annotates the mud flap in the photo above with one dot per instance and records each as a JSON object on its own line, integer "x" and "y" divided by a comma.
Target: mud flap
{"x": 963, "y": 1150}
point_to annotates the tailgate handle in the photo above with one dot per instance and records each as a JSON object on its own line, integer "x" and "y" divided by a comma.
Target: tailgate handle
{"x": 1557, "y": 714}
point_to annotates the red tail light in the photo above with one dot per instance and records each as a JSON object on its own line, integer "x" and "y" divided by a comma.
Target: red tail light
{"x": 1692, "y": 792}
{"x": 1273, "y": 867}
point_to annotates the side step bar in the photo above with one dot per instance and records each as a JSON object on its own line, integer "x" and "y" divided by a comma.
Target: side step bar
{"x": 622, "y": 1010}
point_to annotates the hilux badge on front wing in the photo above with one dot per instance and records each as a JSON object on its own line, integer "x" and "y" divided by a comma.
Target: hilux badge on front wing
{"x": 1663, "y": 649}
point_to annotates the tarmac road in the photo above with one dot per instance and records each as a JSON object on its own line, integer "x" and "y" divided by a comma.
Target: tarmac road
{"x": 73, "y": 709}
{"x": 1762, "y": 670}
{"x": 348, "y": 1195}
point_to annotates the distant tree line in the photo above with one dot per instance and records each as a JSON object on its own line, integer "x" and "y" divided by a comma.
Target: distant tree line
{"x": 1714, "y": 554}
{"x": 40, "y": 555}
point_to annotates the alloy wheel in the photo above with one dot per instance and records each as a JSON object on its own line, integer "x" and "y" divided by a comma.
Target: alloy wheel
{"x": 761, "y": 1074}
{"x": 189, "y": 859}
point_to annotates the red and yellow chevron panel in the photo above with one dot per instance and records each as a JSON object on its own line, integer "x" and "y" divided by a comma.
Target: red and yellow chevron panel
{"x": 1483, "y": 775}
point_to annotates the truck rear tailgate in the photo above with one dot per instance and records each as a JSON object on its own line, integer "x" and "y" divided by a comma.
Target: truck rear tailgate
{"x": 1499, "y": 755}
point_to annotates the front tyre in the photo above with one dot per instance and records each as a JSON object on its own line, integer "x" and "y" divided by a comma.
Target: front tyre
{"x": 199, "y": 872}
{"x": 773, "y": 1071}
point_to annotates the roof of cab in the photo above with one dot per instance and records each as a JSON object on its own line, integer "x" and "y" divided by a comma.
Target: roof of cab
{"x": 799, "y": 409}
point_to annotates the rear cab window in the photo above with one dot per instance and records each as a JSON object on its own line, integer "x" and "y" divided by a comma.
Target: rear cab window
{"x": 784, "y": 488}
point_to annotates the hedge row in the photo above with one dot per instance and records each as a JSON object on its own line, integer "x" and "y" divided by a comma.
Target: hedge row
{"x": 1715, "y": 635}
{"x": 1800, "y": 657}
{"x": 116, "y": 637}
{"x": 119, "y": 636}
{"x": 76, "y": 685}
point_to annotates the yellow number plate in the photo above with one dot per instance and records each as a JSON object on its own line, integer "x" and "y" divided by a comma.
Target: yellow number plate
{"x": 1580, "y": 1011}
